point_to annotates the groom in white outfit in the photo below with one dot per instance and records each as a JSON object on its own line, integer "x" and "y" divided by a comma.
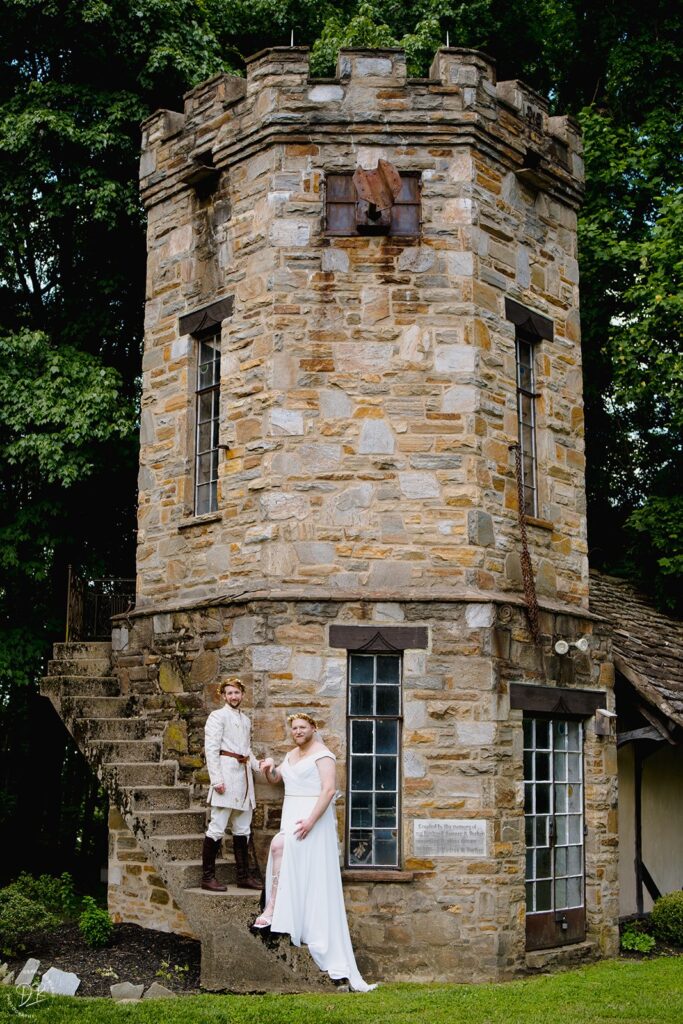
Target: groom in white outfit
{"x": 230, "y": 763}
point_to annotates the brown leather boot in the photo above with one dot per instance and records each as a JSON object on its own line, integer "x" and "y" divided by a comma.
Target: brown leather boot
{"x": 209, "y": 854}
{"x": 244, "y": 879}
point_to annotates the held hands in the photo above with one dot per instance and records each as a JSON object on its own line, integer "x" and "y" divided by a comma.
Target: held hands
{"x": 266, "y": 766}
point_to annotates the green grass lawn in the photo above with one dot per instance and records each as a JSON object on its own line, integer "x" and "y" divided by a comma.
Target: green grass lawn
{"x": 640, "y": 992}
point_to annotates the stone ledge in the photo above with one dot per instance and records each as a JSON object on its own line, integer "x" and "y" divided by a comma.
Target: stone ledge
{"x": 560, "y": 956}
{"x": 377, "y": 875}
{"x": 542, "y": 524}
{"x": 211, "y": 517}
{"x": 232, "y": 890}
{"x": 260, "y": 592}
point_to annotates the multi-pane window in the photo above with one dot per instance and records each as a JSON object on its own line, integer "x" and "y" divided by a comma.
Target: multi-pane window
{"x": 526, "y": 419}
{"x": 553, "y": 808}
{"x": 373, "y": 760}
{"x": 207, "y": 415}
{"x": 341, "y": 200}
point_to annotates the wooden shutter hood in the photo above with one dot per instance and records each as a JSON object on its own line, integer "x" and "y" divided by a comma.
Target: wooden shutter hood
{"x": 533, "y": 323}
{"x": 207, "y": 318}
{"x": 556, "y": 700}
{"x": 379, "y": 638}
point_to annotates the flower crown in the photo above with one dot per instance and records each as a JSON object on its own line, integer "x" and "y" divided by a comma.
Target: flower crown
{"x": 230, "y": 681}
{"x": 304, "y": 716}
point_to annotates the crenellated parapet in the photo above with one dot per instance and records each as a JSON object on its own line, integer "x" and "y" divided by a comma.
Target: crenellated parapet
{"x": 371, "y": 101}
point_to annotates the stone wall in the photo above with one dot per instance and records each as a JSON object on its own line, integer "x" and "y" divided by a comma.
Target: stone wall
{"x": 135, "y": 892}
{"x": 368, "y": 383}
{"x": 444, "y": 919}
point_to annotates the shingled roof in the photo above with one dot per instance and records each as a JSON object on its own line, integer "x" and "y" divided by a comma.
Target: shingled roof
{"x": 647, "y": 645}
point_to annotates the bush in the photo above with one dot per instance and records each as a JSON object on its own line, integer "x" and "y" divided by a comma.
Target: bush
{"x": 55, "y": 894}
{"x": 95, "y": 924}
{"x": 667, "y": 918}
{"x": 19, "y": 917}
{"x": 637, "y": 941}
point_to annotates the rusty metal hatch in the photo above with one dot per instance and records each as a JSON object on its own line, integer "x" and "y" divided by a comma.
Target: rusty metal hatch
{"x": 342, "y": 202}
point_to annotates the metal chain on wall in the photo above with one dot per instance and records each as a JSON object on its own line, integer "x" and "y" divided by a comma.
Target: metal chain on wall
{"x": 527, "y": 570}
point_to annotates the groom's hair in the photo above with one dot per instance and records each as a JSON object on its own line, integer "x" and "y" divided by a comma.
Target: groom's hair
{"x": 231, "y": 681}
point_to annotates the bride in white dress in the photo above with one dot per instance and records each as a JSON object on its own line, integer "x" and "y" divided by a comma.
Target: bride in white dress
{"x": 304, "y": 897}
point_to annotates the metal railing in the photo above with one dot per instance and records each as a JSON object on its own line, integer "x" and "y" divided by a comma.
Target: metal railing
{"x": 90, "y": 604}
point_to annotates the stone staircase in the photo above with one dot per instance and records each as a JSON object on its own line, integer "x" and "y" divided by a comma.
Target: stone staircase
{"x": 124, "y": 746}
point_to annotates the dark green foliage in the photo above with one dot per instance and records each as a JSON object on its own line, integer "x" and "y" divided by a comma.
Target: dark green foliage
{"x": 95, "y": 924}
{"x": 56, "y": 894}
{"x": 19, "y": 918}
{"x": 667, "y": 918}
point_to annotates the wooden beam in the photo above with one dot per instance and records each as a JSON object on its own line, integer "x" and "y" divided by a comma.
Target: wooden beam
{"x": 646, "y": 733}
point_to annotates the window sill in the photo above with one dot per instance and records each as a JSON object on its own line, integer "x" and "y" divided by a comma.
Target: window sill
{"x": 350, "y": 875}
{"x": 210, "y": 517}
{"x": 542, "y": 524}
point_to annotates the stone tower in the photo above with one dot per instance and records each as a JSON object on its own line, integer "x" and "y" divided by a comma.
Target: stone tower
{"x": 329, "y": 502}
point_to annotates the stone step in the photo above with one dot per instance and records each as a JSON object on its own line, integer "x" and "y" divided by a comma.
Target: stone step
{"x": 125, "y": 750}
{"x": 79, "y": 667}
{"x": 187, "y": 874}
{"x": 172, "y": 823}
{"x": 160, "y": 798}
{"x": 57, "y": 687}
{"x": 179, "y": 847}
{"x": 246, "y": 894}
{"x": 572, "y": 955}
{"x": 128, "y": 775}
{"x": 78, "y": 650}
{"x": 110, "y": 728}
{"x": 99, "y": 707}
{"x": 266, "y": 963}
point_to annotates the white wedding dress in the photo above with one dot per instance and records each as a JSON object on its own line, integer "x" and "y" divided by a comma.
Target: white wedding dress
{"x": 309, "y": 904}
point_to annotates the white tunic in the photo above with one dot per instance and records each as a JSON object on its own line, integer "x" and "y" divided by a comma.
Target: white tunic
{"x": 229, "y": 729}
{"x": 309, "y": 905}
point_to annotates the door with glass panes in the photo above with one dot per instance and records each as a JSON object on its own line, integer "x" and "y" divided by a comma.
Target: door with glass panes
{"x": 554, "y": 829}
{"x": 374, "y": 751}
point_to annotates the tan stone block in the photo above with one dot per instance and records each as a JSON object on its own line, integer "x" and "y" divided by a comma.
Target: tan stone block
{"x": 606, "y": 675}
{"x": 170, "y": 678}
{"x": 205, "y": 668}
{"x": 115, "y": 819}
{"x": 175, "y": 738}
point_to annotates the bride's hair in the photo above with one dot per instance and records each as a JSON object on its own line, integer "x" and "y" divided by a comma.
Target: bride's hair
{"x": 304, "y": 716}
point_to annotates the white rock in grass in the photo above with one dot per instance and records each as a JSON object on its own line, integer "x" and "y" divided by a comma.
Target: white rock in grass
{"x": 59, "y": 983}
{"x": 27, "y": 972}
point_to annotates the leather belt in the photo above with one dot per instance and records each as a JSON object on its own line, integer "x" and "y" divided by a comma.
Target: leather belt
{"x": 241, "y": 759}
